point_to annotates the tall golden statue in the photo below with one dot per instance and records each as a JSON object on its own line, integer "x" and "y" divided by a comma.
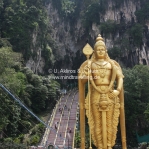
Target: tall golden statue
{"x": 104, "y": 103}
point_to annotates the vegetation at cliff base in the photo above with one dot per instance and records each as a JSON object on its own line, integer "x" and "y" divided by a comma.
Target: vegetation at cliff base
{"x": 136, "y": 84}
{"x": 38, "y": 93}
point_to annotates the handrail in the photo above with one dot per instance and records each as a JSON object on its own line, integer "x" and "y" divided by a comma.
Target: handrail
{"x": 74, "y": 136}
{"x": 43, "y": 142}
{"x": 22, "y": 105}
{"x": 75, "y": 128}
{"x": 54, "y": 112}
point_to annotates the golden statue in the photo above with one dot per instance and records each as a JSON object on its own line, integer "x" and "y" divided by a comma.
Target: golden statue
{"x": 104, "y": 103}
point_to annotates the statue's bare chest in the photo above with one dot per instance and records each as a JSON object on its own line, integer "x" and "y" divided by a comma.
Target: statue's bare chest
{"x": 101, "y": 69}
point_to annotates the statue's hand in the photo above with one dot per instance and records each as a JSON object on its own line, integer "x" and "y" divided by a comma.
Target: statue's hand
{"x": 87, "y": 70}
{"x": 114, "y": 94}
{"x": 87, "y": 73}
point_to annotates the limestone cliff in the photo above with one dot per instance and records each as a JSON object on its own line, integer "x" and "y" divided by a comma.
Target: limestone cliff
{"x": 71, "y": 33}
{"x": 124, "y": 14}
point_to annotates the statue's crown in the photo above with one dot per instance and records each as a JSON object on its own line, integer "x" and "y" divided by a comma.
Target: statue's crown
{"x": 99, "y": 38}
{"x": 99, "y": 42}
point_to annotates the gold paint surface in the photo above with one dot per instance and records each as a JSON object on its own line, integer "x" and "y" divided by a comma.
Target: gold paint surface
{"x": 104, "y": 103}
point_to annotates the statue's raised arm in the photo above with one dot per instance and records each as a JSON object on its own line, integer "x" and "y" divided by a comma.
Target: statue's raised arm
{"x": 104, "y": 103}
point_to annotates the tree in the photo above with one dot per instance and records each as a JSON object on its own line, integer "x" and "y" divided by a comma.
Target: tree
{"x": 115, "y": 52}
{"x": 108, "y": 27}
{"x": 142, "y": 14}
{"x": 136, "y": 32}
{"x": 136, "y": 84}
{"x": 8, "y": 58}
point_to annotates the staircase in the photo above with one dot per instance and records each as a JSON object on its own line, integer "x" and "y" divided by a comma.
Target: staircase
{"x": 60, "y": 133}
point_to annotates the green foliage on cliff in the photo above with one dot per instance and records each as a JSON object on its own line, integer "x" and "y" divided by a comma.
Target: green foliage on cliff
{"x": 136, "y": 32}
{"x": 8, "y": 58}
{"x": 115, "y": 52}
{"x": 20, "y": 20}
{"x": 38, "y": 93}
{"x": 89, "y": 2}
{"x": 143, "y": 13}
{"x": 108, "y": 27}
{"x": 92, "y": 12}
{"x": 49, "y": 57}
{"x": 118, "y": 3}
{"x": 65, "y": 7}
{"x": 68, "y": 7}
{"x": 92, "y": 15}
{"x": 136, "y": 84}
{"x": 25, "y": 27}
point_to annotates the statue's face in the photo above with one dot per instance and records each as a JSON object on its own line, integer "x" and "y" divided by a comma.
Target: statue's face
{"x": 100, "y": 52}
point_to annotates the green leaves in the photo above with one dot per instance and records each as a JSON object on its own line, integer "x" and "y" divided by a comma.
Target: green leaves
{"x": 92, "y": 15}
{"x": 137, "y": 82}
{"x": 64, "y": 7}
{"x": 136, "y": 32}
{"x": 108, "y": 27}
{"x": 136, "y": 85}
{"x": 40, "y": 91}
{"x": 37, "y": 92}
{"x": 20, "y": 20}
{"x": 68, "y": 7}
{"x": 8, "y": 58}
{"x": 143, "y": 13}
{"x": 115, "y": 52}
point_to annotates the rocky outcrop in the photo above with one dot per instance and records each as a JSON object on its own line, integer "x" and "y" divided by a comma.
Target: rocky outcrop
{"x": 36, "y": 65}
{"x": 72, "y": 38}
{"x": 125, "y": 13}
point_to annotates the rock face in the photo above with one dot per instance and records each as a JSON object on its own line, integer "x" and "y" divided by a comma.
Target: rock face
{"x": 71, "y": 38}
{"x": 61, "y": 32}
{"x": 37, "y": 63}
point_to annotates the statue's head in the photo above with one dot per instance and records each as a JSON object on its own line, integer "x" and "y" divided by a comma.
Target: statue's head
{"x": 100, "y": 48}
